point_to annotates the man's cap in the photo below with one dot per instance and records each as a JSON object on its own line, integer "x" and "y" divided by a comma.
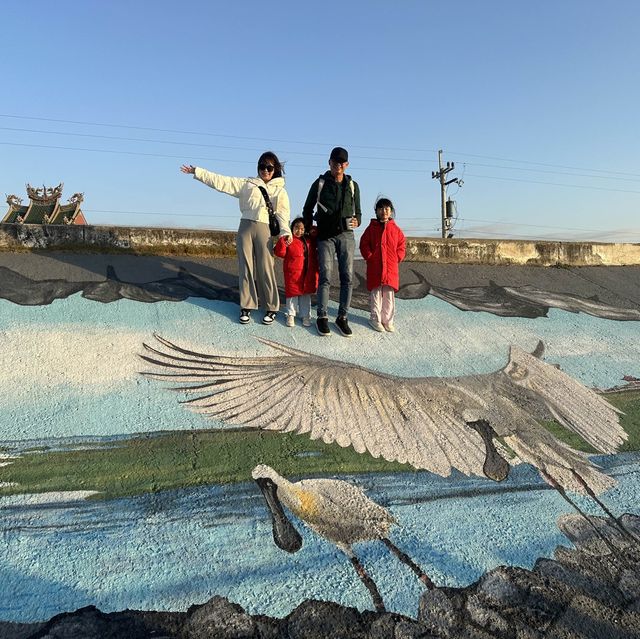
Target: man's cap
{"x": 339, "y": 154}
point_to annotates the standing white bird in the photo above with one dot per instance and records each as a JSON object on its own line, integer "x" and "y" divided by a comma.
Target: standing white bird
{"x": 335, "y": 510}
{"x": 431, "y": 423}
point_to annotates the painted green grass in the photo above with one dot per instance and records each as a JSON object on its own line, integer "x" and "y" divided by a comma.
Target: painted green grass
{"x": 626, "y": 401}
{"x": 181, "y": 459}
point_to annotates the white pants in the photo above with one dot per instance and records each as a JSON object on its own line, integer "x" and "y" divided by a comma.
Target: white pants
{"x": 299, "y": 305}
{"x": 382, "y": 304}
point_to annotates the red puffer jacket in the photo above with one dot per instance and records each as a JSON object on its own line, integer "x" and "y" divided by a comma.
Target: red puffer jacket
{"x": 383, "y": 248}
{"x": 300, "y": 265}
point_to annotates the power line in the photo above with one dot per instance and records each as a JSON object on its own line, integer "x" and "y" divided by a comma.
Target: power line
{"x": 558, "y": 166}
{"x": 177, "y": 143}
{"x": 203, "y": 133}
{"x": 535, "y": 226}
{"x": 573, "y": 186}
{"x": 236, "y": 148}
{"x": 170, "y": 213}
{"x": 182, "y": 157}
{"x": 520, "y": 168}
{"x": 498, "y": 234}
{"x": 360, "y": 168}
{"x": 303, "y": 142}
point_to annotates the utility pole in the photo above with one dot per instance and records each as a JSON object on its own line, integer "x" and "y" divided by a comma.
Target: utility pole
{"x": 440, "y": 175}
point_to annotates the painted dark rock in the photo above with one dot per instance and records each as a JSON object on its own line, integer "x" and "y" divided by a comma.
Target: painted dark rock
{"x": 91, "y": 623}
{"x": 323, "y": 620}
{"x": 219, "y": 619}
{"x": 571, "y": 596}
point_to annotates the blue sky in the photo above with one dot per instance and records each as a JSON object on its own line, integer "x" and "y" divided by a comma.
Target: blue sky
{"x": 535, "y": 103}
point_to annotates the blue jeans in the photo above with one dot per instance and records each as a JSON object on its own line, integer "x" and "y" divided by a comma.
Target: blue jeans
{"x": 343, "y": 247}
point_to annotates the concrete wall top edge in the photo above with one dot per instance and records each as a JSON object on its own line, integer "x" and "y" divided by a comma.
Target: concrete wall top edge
{"x": 214, "y": 243}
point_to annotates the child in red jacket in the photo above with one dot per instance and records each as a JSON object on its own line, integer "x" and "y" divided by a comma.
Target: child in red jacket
{"x": 300, "y": 271}
{"x": 383, "y": 247}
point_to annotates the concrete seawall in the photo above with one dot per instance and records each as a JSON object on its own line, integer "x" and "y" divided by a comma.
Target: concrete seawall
{"x": 166, "y": 241}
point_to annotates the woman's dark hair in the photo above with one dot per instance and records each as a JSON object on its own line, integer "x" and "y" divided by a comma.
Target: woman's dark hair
{"x": 298, "y": 220}
{"x": 384, "y": 202}
{"x": 271, "y": 156}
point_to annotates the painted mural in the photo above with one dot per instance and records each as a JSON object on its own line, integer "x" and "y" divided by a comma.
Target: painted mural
{"x": 154, "y": 452}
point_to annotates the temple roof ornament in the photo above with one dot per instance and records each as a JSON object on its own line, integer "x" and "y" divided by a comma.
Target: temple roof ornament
{"x": 45, "y": 207}
{"x": 45, "y": 195}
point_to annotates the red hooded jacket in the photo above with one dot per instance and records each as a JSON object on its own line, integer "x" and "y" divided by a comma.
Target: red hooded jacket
{"x": 383, "y": 248}
{"x": 300, "y": 265}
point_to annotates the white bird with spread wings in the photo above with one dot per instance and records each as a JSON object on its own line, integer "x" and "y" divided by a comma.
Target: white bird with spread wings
{"x": 432, "y": 423}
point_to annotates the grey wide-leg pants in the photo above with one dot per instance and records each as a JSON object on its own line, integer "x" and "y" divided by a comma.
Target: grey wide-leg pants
{"x": 256, "y": 274}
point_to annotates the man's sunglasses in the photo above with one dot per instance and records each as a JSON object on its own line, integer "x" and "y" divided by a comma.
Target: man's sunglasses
{"x": 266, "y": 167}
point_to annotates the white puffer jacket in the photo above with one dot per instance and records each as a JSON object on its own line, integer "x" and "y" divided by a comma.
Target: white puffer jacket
{"x": 252, "y": 204}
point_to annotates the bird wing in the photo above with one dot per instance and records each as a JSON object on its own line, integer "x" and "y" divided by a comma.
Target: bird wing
{"x": 571, "y": 404}
{"x": 418, "y": 422}
{"x": 556, "y": 461}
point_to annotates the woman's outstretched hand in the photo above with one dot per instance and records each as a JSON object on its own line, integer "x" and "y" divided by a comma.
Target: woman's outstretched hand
{"x": 188, "y": 168}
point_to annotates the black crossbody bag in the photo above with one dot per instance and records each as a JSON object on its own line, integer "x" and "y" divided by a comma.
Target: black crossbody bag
{"x": 274, "y": 224}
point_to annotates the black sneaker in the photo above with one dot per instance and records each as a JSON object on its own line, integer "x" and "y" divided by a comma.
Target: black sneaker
{"x": 244, "y": 316}
{"x": 322, "y": 324}
{"x": 268, "y": 318}
{"x": 343, "y": 326}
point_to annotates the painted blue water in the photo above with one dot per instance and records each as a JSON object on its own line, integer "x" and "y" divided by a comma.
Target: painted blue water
{"x": 84, "y": 379}
{"x": 168, "y": 550}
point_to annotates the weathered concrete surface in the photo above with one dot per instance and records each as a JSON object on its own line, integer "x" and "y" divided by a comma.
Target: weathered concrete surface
{"x": 614, "y": 285}
{"x": 116, "y": 239}
{"x": 591, "y": 591}
{"x": 500, "y": 252}
{"x": 121, "y": 327}
{"x": 159, "y": 241}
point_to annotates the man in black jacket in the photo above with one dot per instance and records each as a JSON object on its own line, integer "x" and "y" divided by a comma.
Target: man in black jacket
{"x": 337, "y": 198}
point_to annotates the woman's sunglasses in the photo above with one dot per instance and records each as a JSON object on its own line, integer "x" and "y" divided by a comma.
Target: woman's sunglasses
{"x": 266, "y": 167}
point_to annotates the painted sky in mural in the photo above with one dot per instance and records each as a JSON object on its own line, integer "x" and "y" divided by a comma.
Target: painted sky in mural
{"x": 72, "y": 387}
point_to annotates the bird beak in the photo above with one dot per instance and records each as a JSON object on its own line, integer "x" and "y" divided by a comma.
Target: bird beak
{"x": 285, "y": 535}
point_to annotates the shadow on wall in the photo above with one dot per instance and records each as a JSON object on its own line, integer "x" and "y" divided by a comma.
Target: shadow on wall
{"x": 52, "y": 595}
{"x": 155, "y": 279}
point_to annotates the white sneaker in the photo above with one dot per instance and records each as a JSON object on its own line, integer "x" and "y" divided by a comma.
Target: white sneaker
{"x": 306, "y": 321}
{"x": 268, "y": 318}
{"x": 389, "y": 327}
{"x": 376, "y": 326}
{"x": 290, "y": 321}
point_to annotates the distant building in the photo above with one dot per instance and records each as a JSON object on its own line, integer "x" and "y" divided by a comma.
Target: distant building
{"x": 44, "y": 207}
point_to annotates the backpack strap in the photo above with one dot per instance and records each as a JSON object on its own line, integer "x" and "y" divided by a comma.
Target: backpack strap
{"x": 318, "y": 204}
{"x": 321, "y": 184}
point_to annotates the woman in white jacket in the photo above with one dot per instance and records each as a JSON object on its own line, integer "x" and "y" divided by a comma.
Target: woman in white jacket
{"x": 253, "y": 243}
